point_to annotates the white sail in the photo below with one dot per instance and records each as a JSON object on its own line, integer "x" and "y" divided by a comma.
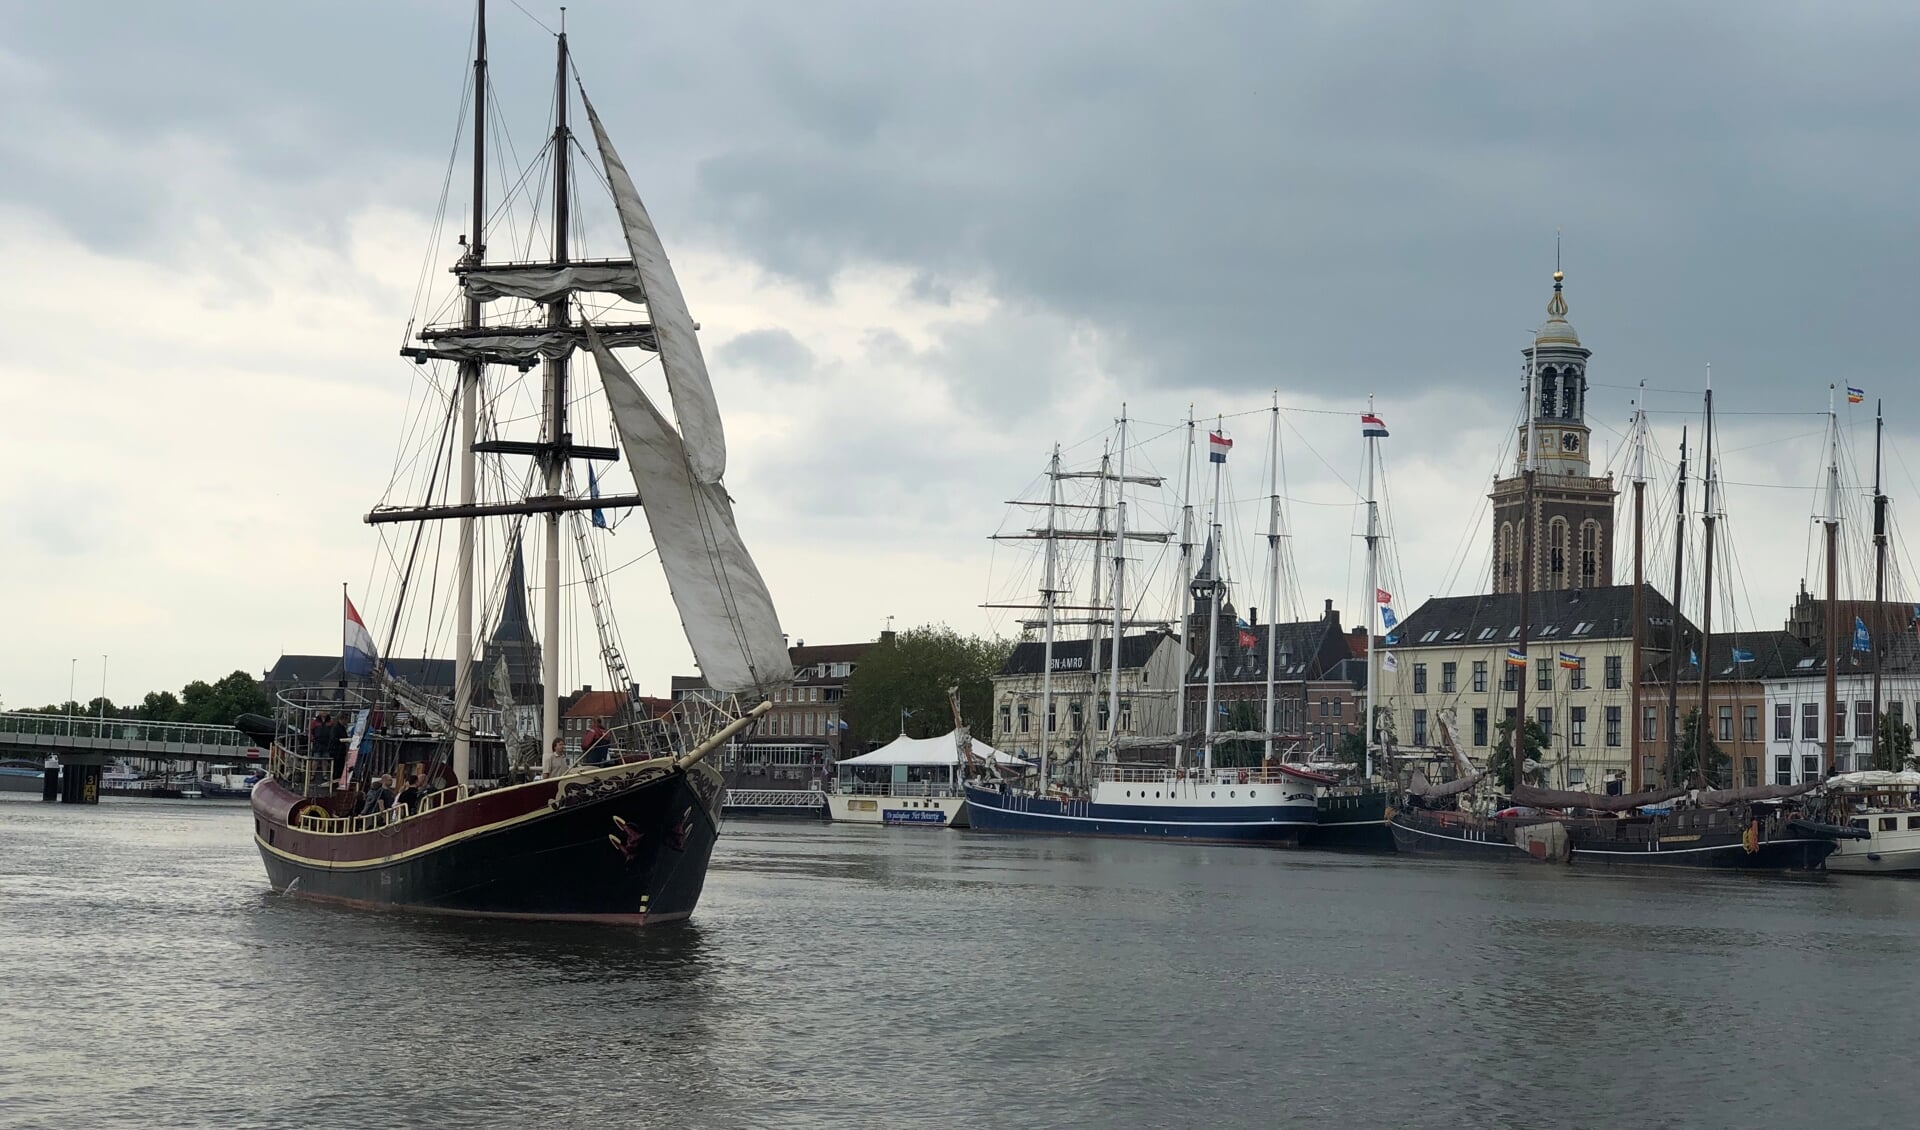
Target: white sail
{"x": 680, "y": 358}
{"x": 546, "y": 282}
{"x": 724, "y": 605}
{"x": 524, "y": 348}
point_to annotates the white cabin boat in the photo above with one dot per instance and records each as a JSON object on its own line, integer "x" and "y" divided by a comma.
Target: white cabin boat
{"x": 1884, "y": 805}
{"x": 910, "y": 781}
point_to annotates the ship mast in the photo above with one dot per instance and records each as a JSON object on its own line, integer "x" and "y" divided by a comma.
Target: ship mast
{"x": 1048, "y": 596}
{"x": 1831, "y": 519}
{"x": 469, "y": 419}
{"x": 1706, "y": 604}
{"x": 1518, "y": 736}
{"x": 1183, "y": 579}
{"x": 1879, "y": 581}
{"x": 1673, "y": 641}
{"x": 1273, "y": 565}
{"x": 555, "y": 459}
{"x": 1213, "y": 597}
{"x": 1634, "y": 782}
{"x": 1119, "y": 604}
{"x": 1368, "y": 727}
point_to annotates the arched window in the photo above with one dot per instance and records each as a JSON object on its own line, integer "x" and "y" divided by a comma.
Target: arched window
{"x": 1557, "y": 549}
{"x": 1549, "y": 380}
{"x": 1503, "y": 555}
{"x": 1590, "y": 548}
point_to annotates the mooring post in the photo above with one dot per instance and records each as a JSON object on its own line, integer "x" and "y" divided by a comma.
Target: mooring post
{"x": 50, "y": 782}
{"x": 80, "y": 777}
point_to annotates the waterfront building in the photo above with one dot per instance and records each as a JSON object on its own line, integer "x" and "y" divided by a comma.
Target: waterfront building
{"x": 1796, "y": 721}
{"x": 803, "y": 732}
{"x": 1150, "y": 667}
{"x": 1319, "y": 686}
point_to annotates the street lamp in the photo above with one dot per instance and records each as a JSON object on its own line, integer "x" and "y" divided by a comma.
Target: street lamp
{"x": 103, "y": 692}
{"x": 73, "y": 668}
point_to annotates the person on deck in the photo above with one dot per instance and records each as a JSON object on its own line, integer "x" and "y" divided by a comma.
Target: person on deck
{"x": 556, "y": 763}
{"x": 594, "y": 745}
{"x": 379, "y": 797}
{"x": 410, "y": 796}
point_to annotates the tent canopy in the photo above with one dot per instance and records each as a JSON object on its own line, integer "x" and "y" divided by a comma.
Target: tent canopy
{"x": 942, "y": 750}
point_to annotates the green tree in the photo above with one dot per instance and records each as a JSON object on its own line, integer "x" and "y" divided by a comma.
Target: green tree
{"x": 158, "y": 706}
{"x": 1687, "y": 757}
{"x": 1533, "y": 741}
{"x": 1351, "y": 750}
{"x": 912, "y": 673}
{"x": 1895, "y": 750}
{"x": 218, "y": 704}
{"x": 1240, "y": 753}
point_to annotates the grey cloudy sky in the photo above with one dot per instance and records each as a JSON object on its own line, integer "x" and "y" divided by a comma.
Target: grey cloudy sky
{"x": 938, "y": 237}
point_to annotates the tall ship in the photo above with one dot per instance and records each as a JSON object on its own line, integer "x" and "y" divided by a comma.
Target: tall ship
{"x": 387, "y": 790}
{"x": 1189, "y": 797}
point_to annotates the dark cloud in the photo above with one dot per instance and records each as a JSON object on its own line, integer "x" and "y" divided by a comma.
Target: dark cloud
{"x": 774, "y": 353}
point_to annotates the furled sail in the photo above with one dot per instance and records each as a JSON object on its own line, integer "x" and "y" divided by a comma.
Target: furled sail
{"x": 1419, "y": 786}
{"x": 545, "y": 282}
{"x": 724, "y": 605}
{"x": 1598, "y": 802}
{"x": 1715, "y": 798}
{"x": 680, "y": 358}
{"x": 526, "y": 348}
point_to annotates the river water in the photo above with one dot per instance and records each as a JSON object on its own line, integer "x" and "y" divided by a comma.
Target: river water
{"x": 839, "y": 976}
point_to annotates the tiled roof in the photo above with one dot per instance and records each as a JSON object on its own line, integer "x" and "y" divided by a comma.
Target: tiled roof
{"x": 1555, "y": 616}
{"x": 596, "y": 704}
{"x": 1303, "y": 649}
{"x": 1071, "y": 655}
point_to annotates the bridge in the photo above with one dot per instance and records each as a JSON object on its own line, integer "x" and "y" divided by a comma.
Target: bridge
{"x": 38, "y": 736}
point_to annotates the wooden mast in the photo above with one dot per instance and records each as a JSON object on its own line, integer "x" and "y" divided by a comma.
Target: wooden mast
{"x": 1518, "y": 735}
{"x": 1634, "y": 782}
{"x": 1673, "y": 638}
{"x": 1879, "y": 582}
{"x": 556, "y": 456}
{"x": 469, "y": 415}
{"x": 1832, "y": 522}
{"x": 1700, "y": 731}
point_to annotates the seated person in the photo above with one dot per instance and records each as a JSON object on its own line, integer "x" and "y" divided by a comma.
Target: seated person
{"x": 412, "y": 794}
{"x": 379, "y": 798}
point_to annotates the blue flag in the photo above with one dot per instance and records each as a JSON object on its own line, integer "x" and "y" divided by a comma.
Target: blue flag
{"x": 1861, "y": 642}
{"x": 1693, "y": 658}
{"x": 1742, "y": 655}
{"x": 1387, "y": 618}
{"x": 593, "y": 489}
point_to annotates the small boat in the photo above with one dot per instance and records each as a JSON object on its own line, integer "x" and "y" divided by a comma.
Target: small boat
{"x": 1886, "y": 807}
{"x": 19, "y": 775}
{"x": 914, "y": 782}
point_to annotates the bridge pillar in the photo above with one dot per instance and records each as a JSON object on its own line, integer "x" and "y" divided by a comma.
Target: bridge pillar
{"x": 80, "y": 777}
{"x": 50, "y": 783}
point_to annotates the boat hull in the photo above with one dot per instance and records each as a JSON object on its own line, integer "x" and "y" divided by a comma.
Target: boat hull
{"x": 1591, "y": 844}
{"x": 1277, "y": 824}
{"x": 627, "y": 845}
{"x": 1350, "y": 821}
{"x": 899, "y": 811}
{"x": 1415, "y": 834}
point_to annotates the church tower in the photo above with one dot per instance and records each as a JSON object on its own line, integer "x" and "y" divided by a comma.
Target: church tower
{"x": 1572, "y": 520}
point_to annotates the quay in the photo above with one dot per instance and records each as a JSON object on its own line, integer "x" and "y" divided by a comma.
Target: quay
{"x": 84, "y": 745}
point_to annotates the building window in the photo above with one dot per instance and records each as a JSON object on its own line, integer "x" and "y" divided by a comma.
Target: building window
{"x": 1449, "y": 677}
{"x": 1006, "y": 718}
{"x": 1613, "y": 726}
{"x": 1506, "y": 550}
{"x": 1544, "y": 715}
{"x": 1576, "y": 777}
{"x": 1510, "y": 678}
{"x": 1480, "y": 676}
{"x": 1577, "y": 726}
{"x": 1053, "y": 717}
{"x": 1863, "y": 719}
{"x": 1557, "y": 547}
{"x": 1073, "y": 717}
{"x": 1419, "y": 678}
{"x": 1783, "y": 769}
{"x": 1419, "y": 727}
{"x": 1839, "y": 719}
{"x": 1809, "y": 767}
{"x": 1589, "y": 554}
{"x": 1724, "y": 731}
{"x": 1326, "y": 709}
{"x": 1579, "y": 679}
{"x": 1649, "y": 724}
{"x": 1336, "y": 707}
{"x": 1542, "y": 674}
{"x": 1750, "y": 725}
{"x": 1102, "y": 715}
{"x": 1613, "y": 672}
{"x": 1126, "y": 714}
{"x": 1809, "y": 721}
{"x": 1480, "y": 725}
{"x": 1023, "y": 718}
{"x": 1782, "y": 722}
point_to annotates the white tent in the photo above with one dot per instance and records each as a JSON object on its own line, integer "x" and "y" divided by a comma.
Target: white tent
{"x": 943, "y": 750}
{"x": 1870, "y": 779}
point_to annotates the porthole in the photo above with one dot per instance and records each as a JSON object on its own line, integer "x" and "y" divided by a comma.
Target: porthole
{"x": 1215, "y": 793}
{"x": 1156, "y": 794}
{"x": 1234, "y": 793}
{"x": 1250, "y": 793}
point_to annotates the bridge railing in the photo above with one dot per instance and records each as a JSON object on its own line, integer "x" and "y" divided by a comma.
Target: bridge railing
{"x": 94, "y": 731}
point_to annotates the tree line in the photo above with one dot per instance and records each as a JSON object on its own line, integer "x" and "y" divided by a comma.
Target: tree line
{"x": 201, "y": 703}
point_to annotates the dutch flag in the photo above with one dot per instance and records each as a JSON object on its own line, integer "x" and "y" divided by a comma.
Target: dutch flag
{"x": 1371, "y": 426}
{"x": 1217, "y": 447}
{"x": 357, "y": 654}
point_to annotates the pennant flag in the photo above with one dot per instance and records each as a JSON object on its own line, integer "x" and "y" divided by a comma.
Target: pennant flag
{"x": 1516, "y": 657}
{"x": 1693, "y": 658}
{"x": 355, "y": 739}
{"x": 1861, "y": 641}
{"x": 593, "y": 489}
{"x": 1569, "y": 661}
{"x": 1382, "y": 596}
{"x": 1371, "y": 427}
{"x": 1855, "y": 395}
{"x": 357, "y": 654}
{"x": 1393, "y": 638}
{"x": 1387, "y": 618}
{"x": 1742, "y": 655}
{"x": 1217, "y": 447}
{"x": 1388, "y": 662}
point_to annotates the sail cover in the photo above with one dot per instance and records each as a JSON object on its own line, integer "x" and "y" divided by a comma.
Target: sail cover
{"x": 686, "y": 369}
{"x": 546, "y": 283}
{"x": 1598, "y": 802}
{"x": 526, "y": 348}
{"x": 724, "y": 605}
{"x": 1716, "y": 798}
{"x": 1421, "y": 787}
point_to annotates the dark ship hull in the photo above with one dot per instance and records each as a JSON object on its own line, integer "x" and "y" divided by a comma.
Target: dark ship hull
{"x": 1350, "y": 819}
{"x": 1699, "y": 843}
{"x": 622, "y": 845}
{"x": 990, "y": 810}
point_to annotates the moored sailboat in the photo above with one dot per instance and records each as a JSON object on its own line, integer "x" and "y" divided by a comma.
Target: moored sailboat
{"x": 474, "y": 832}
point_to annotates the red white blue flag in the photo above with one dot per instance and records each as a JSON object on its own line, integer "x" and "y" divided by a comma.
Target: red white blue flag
{"x": 357, "y": 654}
{"x": 1371, "y": 425}
{"x": 1217, "y": 447}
